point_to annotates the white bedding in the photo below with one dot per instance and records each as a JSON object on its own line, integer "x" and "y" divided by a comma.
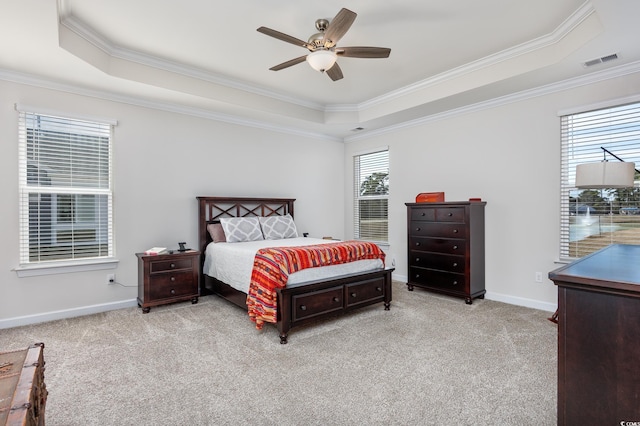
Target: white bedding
{"x": 232, "y": 263}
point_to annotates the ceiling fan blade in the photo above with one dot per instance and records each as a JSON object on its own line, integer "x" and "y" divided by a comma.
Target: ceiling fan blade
{"x": 335, "y": 73}
{"x": 338, "y": 27}
{"x": 289, "y": 63}
{"x": 284, "y": 37}
{"x": 363, "y": 52}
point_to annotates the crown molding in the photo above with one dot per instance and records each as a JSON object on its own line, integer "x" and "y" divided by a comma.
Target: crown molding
{"x": 92, "y": 37}
{"x": 553, "y": 38}
{"x": 595, "y": 77}
{"x": 592, "y": 78}
{"x": 75, "y": 25}
{"x": 36, "y": 81}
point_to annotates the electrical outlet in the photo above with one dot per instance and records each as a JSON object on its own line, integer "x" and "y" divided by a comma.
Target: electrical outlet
{"x": 111, "y": 278}
{"x": 538, "y": 277}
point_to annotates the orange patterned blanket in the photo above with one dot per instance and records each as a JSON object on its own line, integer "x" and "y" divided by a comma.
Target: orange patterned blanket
{"x": 272, "y": 266}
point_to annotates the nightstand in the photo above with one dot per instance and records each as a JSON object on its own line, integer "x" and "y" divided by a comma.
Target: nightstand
{"x": 167, "y": 278}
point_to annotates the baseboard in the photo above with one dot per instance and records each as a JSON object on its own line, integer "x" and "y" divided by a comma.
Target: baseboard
{"x": 521, "y": 301}
{"x": 67, "y": 313}
{"x": 498, "y": 297}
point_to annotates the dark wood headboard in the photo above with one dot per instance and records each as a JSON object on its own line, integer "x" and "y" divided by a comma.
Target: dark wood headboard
{"x": 212, "y": 209}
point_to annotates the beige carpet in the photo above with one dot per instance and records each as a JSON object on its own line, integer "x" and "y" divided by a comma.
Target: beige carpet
{"x": 430, "y": 360}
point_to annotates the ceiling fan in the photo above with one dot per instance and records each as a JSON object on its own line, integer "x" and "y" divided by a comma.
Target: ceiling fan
{"x": 322, "y": 45}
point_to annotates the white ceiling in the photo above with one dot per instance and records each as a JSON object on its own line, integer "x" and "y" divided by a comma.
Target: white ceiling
{"x": 206, "y": 58}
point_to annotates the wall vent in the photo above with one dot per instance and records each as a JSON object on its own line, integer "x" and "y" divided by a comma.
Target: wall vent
{"x": 601, "y": 60}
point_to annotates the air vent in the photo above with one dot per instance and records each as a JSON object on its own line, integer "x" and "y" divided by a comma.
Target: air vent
{"x": 357, "y": 129}
{"x": 601, "y": 60}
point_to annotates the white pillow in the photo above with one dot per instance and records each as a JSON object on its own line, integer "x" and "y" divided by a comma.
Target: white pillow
{"x": 241, "y": 229}
{"x": 278, "y": 227}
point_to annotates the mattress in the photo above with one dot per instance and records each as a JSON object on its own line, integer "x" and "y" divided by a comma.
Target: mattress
{"x": 232, "y": 263}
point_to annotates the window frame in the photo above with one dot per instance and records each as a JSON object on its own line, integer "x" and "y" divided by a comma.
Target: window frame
{"x": 357, "y": 197}
{"x": 29, "y": 190}
{"x": 581, "y": 143}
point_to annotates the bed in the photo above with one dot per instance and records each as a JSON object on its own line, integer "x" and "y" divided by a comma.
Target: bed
{"x": 307, "y": 297}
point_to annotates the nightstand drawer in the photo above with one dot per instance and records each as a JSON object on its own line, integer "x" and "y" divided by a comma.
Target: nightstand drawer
{"x": 172, "y": 285}
{"x": 157, "y": 266}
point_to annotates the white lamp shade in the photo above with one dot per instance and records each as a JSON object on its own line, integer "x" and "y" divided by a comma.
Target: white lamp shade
{"x": 321, "y": 60}
{"x": 605, "y": 175}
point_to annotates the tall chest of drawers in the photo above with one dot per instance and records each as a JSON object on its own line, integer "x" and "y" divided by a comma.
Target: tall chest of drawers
{"x": 446, "y": 248}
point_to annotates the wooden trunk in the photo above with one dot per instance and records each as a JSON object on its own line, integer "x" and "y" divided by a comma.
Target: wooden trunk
{"x": 23, "y": 394}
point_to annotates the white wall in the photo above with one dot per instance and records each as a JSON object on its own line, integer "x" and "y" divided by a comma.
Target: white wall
{"x": 162, "y": 161}
{"x": 508, "y": 155}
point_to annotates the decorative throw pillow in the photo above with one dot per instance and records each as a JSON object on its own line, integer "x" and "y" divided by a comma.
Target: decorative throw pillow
{"x": 278, "y": 227}
{"x": 216, "y": 232}
{"x": 241, "y": 229}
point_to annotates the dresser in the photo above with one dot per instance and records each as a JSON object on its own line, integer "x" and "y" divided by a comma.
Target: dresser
{"x": 446, "y": 248}
{"x": 167, "y": 278}
{"x": 599, "y": 338}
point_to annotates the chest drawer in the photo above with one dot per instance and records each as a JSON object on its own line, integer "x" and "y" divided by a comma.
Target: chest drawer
{"x": 423, "y": 213}
{"x": 158, "y": 266}
{"x": 317, "y": 303}
{"x": 443, "y": 262}
{"x": 438, "y": 245}
{"x": 436, "y": 229}
{"x": 438, "y": 279}
{"x": 438, "y": 214}
{"x": 450, "y": 214}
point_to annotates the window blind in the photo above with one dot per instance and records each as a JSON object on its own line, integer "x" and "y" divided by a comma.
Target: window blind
{"x": 371, "y": 196}
{"x": 591, "y": 219}
{"x": 65, "y": 188}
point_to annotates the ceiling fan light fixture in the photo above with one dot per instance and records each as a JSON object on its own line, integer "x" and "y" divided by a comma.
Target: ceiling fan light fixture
{"x": 322, "y": 60}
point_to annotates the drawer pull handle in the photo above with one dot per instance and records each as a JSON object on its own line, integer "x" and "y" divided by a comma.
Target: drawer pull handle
{"x": 417, "y": 275}
{"x": 335, "y": 299}
{"x": 422, "y": 214}
{"x": 450, "y": 214}
{"x": 455, "y": 283}
{"x": 173, "y": 278}
{"x": 417, "y": 259}
{"x": 353, "y": 295}
{"x": 173, "y": 265}
{"x": 172, "y": 291}
{"x": 455, "y": 231}
{"x": 303, "y": 307}
{"x": 379, "y": 288}
{"x": 417, "y": 244}
{"x": 455, "y": 264}
{"x": 455, "y": 247}
{"x": 418, "y": 228}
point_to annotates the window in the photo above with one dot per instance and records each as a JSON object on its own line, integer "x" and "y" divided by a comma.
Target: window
{"x": 595, "y": 218}
{"x": 371, "y": 200}
{"x": 65, "y": 189}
